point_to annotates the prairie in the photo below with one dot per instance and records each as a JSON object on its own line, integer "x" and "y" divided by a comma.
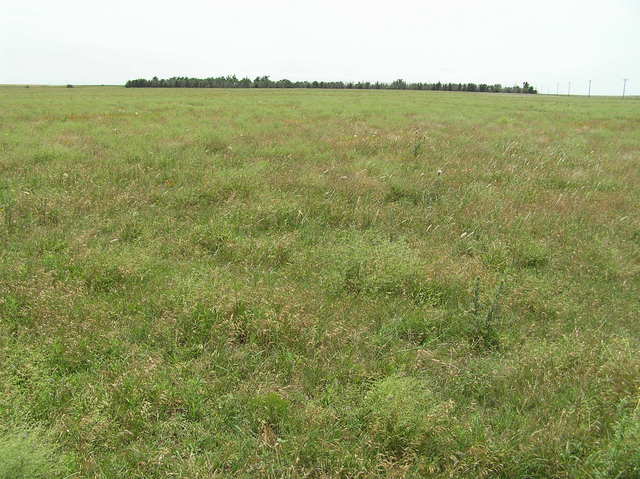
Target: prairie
{"x": 208, "y": 283}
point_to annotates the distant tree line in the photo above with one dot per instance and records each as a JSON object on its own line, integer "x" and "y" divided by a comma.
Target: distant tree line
{"x": 266, "y": 82}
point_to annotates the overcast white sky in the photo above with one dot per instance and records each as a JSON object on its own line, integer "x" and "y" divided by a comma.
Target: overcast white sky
{"x": 493, "y": 41}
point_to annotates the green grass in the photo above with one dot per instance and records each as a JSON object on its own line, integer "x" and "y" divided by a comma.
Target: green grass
{"x": 240, "y": 283}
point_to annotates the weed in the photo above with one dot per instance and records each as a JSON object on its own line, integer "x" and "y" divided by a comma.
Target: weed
{"x": 418, "y": 146}
{"x": 8, "y": 220}
{"x": 484, "y": 318}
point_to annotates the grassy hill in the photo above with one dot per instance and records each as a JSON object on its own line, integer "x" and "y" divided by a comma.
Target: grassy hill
{"x": 286, "y": 283}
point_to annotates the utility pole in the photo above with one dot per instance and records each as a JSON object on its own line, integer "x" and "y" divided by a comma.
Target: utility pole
{"x": 624, "y": 87}
{"x": 557, "y": 88}
{"x": 569, "y": 89}
{"x": 589, "y": 87}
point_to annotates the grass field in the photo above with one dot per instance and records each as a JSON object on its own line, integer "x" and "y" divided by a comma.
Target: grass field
{"x": 203, "y": 283}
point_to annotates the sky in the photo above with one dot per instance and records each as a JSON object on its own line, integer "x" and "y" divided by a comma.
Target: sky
{"x": 547, "y": 43}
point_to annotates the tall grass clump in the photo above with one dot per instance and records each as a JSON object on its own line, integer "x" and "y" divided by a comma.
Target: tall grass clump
{"x": 28, "y": 454}
{"x": 620, "y": 457}
{"x": 404, "y": 416}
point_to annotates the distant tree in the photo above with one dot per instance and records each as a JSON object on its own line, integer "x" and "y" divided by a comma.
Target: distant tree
{"x": 232, "y": 81}
{"x": 399, "y": 84}
{"x": 69, "y": 86}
